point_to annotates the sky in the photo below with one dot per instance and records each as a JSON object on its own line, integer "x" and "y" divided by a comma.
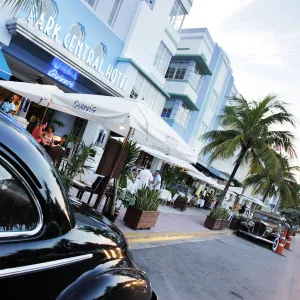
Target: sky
{"x": 262, "y": 40}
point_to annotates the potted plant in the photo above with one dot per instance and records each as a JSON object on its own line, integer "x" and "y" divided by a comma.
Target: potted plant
{"x": 77, "y": 163}
{"x": 217, "y": 219}
{"x": 181, "y": 203}
{"x": 144, "y": 213}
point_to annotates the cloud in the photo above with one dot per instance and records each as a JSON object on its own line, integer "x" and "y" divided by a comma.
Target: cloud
{"x": 208, "y": 13}
{"x": 260, "y": 47}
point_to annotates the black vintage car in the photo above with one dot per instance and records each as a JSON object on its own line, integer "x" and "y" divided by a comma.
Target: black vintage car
{"x": 263, "y": 226}
{"x": 53, "y": 247}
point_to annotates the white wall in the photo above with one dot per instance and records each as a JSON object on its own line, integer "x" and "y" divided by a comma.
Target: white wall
{"x": 68, "y": 121}
{"x": 147, "y": 31}
{"x": 196, "y": 41}
{"x": 4, "y": 16}
{"x": 210, "y": 112}
{"x": 124, "y": 18}
{"x": 178, "y": 87}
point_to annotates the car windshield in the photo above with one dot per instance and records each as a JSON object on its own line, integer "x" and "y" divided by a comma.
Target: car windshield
{"x": 265, "y": 218}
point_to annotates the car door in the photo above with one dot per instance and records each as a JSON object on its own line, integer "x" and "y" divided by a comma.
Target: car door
{"x": 31, "y": 266}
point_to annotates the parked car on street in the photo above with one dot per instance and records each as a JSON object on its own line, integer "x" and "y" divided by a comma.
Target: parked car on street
{"x": 51, "y": 246}
{"x": 266, "y": 227}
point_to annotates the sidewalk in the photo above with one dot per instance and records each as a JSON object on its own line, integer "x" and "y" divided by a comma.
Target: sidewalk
{"x": 172, "y": 224}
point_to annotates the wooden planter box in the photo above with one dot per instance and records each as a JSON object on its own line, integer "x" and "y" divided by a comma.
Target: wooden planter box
{"x": 180, "y": 205}
{"x": 138, "y": 219}
{"x": 224, "y": 224}
{"x": 215, "y": 224}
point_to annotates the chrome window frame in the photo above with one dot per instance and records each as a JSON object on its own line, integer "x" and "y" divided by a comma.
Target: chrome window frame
{"x": 23, "y": 234}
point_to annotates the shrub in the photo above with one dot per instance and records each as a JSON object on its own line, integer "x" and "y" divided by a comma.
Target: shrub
{"x": 219, "y": 213}
{"x": 147, "y": 199}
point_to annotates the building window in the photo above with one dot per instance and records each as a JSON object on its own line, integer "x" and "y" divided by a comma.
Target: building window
{"x": 196, "y": 79}
{"x": 144, "y": 90}
{"x": 167, "y": 111}
{"x": 202, "y": 130}
{"x": 177, "y": 15}
{"x": 183, "y": 115}
{"x": 91, "y": 3}
{"x": 162, "y": 58}
{"x": 213, "y": 100}
{"x": 18, "y": 213}
{"x": 151, "y": 3}
{"x": 114, "y": 12}
{"x": 137, "y": 86}
{"x": 177, "y": 70}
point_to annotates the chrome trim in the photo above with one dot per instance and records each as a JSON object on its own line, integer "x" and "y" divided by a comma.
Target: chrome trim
{"x": 10, "y": 272}
{"x": 255, "y": 236}
{"x": 28, "y": 189}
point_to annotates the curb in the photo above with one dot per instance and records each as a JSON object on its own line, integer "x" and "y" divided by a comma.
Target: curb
{"x": 135, "y": 238}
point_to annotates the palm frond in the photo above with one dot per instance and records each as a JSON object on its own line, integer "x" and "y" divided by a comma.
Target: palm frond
{"x": 24, "y": 5}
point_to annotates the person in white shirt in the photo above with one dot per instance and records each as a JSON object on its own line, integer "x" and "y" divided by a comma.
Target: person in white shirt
{"x": 8, "y": 106}
{"x": 157, "y": 180}
{"x": 145, "y": 177}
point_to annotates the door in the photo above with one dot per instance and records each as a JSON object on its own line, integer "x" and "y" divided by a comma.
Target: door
{"x": 32, "y": 266}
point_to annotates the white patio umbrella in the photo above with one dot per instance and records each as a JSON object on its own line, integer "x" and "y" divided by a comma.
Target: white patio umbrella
{"x": 197, "y": 174}
{"x": 38, "y": 93}
{"x": 125, "y": 116}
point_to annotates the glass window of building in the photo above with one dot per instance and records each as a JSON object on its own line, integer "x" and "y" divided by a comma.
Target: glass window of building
{"x": 151, "y": 3}
{"x": 162, "y": 58}
{"x": 177, "y": 15}
{"x": 91, "y": 3}
{"x": 177, "y": 70}
{"x": 167, "y": 111}
{"x": 137, "y": 86}
{"x": 183, "y": 115}
{"x": 213, "y": 100}
{"x": 202, "y": 130}
{"x": 144, "y": 90}
{"x": 159, "y": 103}
{"x": 114, "y": 12}
{"x": 196, "y": 79}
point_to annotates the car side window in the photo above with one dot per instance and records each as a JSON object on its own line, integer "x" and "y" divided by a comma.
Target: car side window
{"x": 18, "y": 211}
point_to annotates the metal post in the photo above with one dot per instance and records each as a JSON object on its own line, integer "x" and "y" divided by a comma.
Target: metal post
{"x": 45, "y": 112}
{"x": 114, "y": 168}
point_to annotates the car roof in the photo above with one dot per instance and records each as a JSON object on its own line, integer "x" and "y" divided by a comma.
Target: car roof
{"x": 271, "y": 215}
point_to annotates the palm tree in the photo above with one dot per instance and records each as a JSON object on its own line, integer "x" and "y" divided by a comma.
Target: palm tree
{"x": 249, "y": 134}
{"x": 270, "y": 182}
{"x": 24, "y": 5}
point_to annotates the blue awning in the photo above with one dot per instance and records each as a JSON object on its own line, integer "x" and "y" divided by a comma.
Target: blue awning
{"x": 5, "y": 72}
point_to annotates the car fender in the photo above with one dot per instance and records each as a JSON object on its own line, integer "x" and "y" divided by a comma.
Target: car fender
{"x": 116, "y": 284}
{"x": 243, "y": 227}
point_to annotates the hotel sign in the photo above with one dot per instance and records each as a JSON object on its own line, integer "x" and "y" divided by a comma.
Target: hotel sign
{"x": 81, "y": 50}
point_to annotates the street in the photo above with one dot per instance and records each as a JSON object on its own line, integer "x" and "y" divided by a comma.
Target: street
{"x": 221, "y": 269}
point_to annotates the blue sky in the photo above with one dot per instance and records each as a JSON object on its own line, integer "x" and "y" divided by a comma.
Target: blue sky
{"x": 262, "y": 39}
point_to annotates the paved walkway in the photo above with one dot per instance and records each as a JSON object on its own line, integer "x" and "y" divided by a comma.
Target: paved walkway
{"x": 169, "y": 221}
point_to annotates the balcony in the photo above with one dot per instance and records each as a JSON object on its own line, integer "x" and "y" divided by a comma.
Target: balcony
{"x": 182, "y": 90}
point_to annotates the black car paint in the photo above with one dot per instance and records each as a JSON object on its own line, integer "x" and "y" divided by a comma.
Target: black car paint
{"x": 70, "y": 229}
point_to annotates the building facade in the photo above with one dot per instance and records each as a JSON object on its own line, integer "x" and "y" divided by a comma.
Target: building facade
{"x": 122, "y": 48}
{"x": 200, "y": 83}
{"x": 93, "y": 47}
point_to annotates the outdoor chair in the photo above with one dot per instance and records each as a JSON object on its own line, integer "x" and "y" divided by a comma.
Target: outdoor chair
{"x": 92, "y": 189}
{"x": 56, "y": 153}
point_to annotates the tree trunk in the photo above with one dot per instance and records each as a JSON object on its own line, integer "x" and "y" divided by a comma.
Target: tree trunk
{"x": 236, "y": 167}
{"x": 112, "y": 206}
{"x": 265, "y": 196}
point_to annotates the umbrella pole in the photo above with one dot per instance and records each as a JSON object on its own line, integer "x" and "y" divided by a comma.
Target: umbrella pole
{"x": 113, "y": 169}
{"x": 45, "y": 111}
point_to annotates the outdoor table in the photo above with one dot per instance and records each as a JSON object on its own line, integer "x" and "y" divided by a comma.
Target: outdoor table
{"x": 200, "y": 202}
{"x": 165, "y": 195}
{"x": 131, "y": 187}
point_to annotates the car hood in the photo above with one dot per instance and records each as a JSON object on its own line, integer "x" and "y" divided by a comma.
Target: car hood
{"x": 92, "y": 222}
